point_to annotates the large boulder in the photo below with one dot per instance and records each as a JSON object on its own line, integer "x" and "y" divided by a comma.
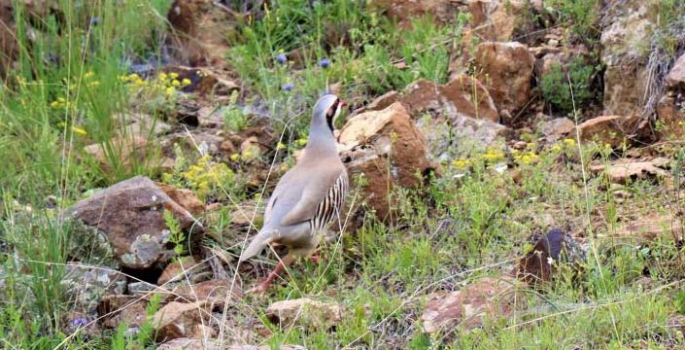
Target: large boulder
{"x": 131, "y": 216}
{"x": 387, "y": 149}
{"x": 676, "y": 76}
{"x": 627, "y": 28}
{"x": 508, "y": 70}
{"x": 404, "y": 11}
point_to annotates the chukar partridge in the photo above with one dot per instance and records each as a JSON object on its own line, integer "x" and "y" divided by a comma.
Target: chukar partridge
{"x": 308, "y": 197}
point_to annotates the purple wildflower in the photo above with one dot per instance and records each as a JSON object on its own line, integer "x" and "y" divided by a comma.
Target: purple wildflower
{"x": 325, "y": 63}
{"x": 94, "y": 20}
{"x": 288, "y": 87}
{"x": 79, "y": 322}
{"x": 282, "y": 58}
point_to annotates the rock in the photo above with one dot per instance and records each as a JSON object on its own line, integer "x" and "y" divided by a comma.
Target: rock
{"x": 127, "y": 309}
{"x": 609, "y": 130}
{"x": 206, "y": 80}
{"x": 404, "y": 11}
{"x": 387, "y": 148}
{"x": 242, "y": 215}
{"x": 185, "y": 198}
{"x": 180, "y": 269}
{"x": 556, "y": 129}
{"x": 508, "y": 68}
{"x": 127, "y": 151}
{"x": 466, "y": 309}
{"x": 206, "y": 140}
{"x": 462, "y": 96}
{"x": 549, "y": 251}
{"x": 312, "y": 314}
{"x": 178, "y": 320}
{"x": 141, "y": 125}
{"x": 192, "y": 344}
{"x": 469, "y": 98}
{"x": 676, "y": 77}
{"x": 199, "y": 30}
{"x": 214, "y": 293}
{"x": 651, "y": 227}
{"x": 250, "y": 149}
{"x": 671, "y": 116}
{"x": 626, "y": 78}
{"x": 381, "y": 102}
{"x": 214, "y": 344}
{"x": 624, "y": 171}
{"x": 86, "y": 285}
{"x": 140, "y": 288}
{"x": 130, "y": 214}
{"x": 495, "y": 20}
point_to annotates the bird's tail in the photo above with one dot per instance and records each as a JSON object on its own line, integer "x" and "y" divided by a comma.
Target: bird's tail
{"x": 256, "y": 245}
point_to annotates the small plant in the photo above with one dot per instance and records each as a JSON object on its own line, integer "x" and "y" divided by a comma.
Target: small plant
{"x": 207, "y": 178}
{"x": 565, "y": 88}
{"x": 176, "y": 237}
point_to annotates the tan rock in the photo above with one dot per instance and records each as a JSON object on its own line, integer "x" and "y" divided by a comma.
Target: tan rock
{"x": 462, "y": 96}
{"x": 557, "y": 129}
{"x": 609, "y": 130}
{"x": 185, "y": 198}
{"x": 628, "y": 27}
{"x": 624, "y": 171}
{"x": 388, "y": 150}
{"x": 495, "y": 20}
{"x": 404, "y": 11}
{"x": 214, "y": 293}
{"x": 127, "y": 151}
{"x": 178, "y": 320}
{"x": 651, "y": 227}
{"x": 314, "y": 314}
{"x": 467, "y": 308}
{"x": 507, "y": 71}
{"x": 180, "y": 269}
{"x": 671, "y": 117}
{"x": 676, "y": 77}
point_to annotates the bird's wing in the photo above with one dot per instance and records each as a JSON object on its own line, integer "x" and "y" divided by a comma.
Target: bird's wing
{"x": 313, "y": 189}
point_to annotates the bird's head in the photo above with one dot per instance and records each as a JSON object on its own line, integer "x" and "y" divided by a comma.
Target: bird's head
{"x": 328, "y": 108}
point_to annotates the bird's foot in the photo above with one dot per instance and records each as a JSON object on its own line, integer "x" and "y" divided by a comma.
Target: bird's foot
{"x": 260, "y": 289}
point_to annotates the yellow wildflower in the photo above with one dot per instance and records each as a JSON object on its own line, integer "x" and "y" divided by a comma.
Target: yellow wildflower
{"x": 235, "y": 157}
{"x": 301, "y": 142}
{"x": 556, "y": 148}
{"x": 569, "y": 142}
{"x": 280, "y": 145}
{"x": 529, "y": 158}
{"x": 170, "y": 90}
{"x": 493, "y": 155}
{"x": 185, "y": 82}
{"x": 88, "y": 74}
{"x": 162, "y": 76}
{"x": 461, "y": 163}
{"x": 175, "y": 83}
{"x": 173, "y": 75}
{"x": 79, "y": 131}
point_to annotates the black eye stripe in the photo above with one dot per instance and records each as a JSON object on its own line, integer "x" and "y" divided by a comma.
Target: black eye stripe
{"x": 334, "y": 107}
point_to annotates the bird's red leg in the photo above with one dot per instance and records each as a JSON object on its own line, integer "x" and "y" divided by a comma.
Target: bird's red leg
{"x": 262, "y": 287}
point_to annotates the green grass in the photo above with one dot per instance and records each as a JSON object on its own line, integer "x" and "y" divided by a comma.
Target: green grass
{"x": 470, "y": 222}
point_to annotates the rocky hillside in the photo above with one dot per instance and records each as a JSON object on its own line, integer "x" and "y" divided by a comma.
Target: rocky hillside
{"x": 515, "y": 167}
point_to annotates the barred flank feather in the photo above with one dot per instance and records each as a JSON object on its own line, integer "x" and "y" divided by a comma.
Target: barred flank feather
{"x": 332, "y": 205}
